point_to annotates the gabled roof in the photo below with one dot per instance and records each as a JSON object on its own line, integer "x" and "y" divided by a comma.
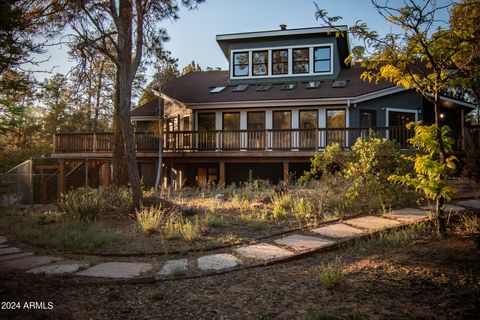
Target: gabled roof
{"x": 195, "y": 87}
{"x": 149, "y": 109}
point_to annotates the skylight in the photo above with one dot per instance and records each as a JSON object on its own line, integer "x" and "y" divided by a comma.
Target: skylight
{"x": 288, "y": 86}
{"x": 264, "y": 87}
{"x": 313, "y": 84}
{"x": 339, "y": 84}
{"x": 217, "y": 89}
{"x": 240, "y": 88}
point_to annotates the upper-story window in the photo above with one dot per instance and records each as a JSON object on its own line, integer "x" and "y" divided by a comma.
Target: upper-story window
{"x": 301, "y": 60}
{"x": 240, "y": 64}
{"x": 260, "y": 63}
{"x": 280, "y": 61}
{"x": 321, "y": 59}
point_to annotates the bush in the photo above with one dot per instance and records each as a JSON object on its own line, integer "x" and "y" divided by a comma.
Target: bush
{"x": 281, "y": 203}
{"x": 330, "y": 274}
{"x": 370, "y": 164}
{"x": 176, "y": 227}
{"x": 471, "y": 167}
{"x": 150, "y": 218}
{"x": 329, "y": 162}
{"x": 82, "y": 205}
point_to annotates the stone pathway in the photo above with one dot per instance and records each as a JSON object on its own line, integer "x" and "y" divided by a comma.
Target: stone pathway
{"x": 232, "y": 258}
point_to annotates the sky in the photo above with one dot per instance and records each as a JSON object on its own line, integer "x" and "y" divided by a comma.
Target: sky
{"x": 192, "y": 37}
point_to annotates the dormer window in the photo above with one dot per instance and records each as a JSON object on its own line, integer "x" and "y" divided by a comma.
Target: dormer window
{"x": 260, "y": 63}
{"x": 240, "y": 64}
{"x": 280, "y": 61}
{"x": 321, "y": 59}
{"x": 301, "y": 60}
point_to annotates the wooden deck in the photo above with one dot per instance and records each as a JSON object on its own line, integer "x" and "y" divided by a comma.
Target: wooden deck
{"x": 227, "y": 143}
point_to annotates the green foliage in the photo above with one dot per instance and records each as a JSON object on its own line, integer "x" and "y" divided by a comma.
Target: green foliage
{"x": 150, "y": 218}
{"x": 69, "y": 235}
{"x": 370, "y": 164}
{"x": 176, "y": 227}
{"x": 431, "y": 172}
{"x": 281, "y": 203}
{"x": 329, "y": 162}
{"x": 330, "y": 274}
{"x": 82, "y": 205}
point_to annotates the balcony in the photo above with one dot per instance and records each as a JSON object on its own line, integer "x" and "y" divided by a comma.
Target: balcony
{"x": 230, "y": 140}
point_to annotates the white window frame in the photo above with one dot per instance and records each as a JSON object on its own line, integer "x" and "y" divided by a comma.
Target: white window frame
{"x": 290, "y": 73}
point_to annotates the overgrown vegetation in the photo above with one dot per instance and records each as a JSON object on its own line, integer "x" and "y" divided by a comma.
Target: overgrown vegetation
{"x": 150, "y": 218}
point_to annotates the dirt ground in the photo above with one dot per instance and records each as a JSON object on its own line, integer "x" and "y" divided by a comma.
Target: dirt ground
{"x": 423, "y": 278}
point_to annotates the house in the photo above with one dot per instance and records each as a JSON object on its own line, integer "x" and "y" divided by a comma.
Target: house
{"x": 286, "y": 94}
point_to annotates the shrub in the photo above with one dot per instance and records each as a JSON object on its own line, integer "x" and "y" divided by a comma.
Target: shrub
{"x": 330, "y": 274}
{"x": 281, "y": 203}
{"x": 82, "y": 205}
{"x": 150, "y": 218}
{"x": 188, "y": 230}
{"x": 470, "y": 223}
{"x": 471, "y": 167}
{"x": 176, "y": 227}
{"x": 370, "y": 164}
{"x": 329, "y": 162}
{"x": 303, "y": 209}
{"x": 116, "y": 199}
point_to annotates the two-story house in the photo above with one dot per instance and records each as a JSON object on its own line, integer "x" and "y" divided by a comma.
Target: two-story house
{"x": 286, "y": 94}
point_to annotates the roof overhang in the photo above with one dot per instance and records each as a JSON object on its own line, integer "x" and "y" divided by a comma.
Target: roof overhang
{"x": 297, "y": 102}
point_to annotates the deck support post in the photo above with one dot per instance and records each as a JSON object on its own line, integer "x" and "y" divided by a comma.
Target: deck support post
{"x": 106, "y": 174}
{"x": 222, "y": 173}
{"x": 285, "y": 171}
{"x": 61, "y": 178}
{"x": 462, "y": 129}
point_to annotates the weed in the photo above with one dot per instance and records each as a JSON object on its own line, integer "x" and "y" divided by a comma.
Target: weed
{"x": 469, "y": 224}
{"x": 330, "y": 274}
{"x": 157, "y": 295}
{"x": 113, "y": 295}
{"x": 150, "y": 218}
{"x": 82, "y": 205}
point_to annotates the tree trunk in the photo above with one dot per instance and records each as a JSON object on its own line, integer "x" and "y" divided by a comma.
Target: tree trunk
{"x": 120, "y": 177}
{"x": 441, "y": 219}
{"x": 125, "y": 95}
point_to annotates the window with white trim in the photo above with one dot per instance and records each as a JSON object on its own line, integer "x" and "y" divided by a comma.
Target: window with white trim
{"x": 240, "y": 64}
{"x": 321, "y": 59}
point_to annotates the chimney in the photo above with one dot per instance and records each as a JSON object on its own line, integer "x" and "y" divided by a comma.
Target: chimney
{"x": 283, "y": 26}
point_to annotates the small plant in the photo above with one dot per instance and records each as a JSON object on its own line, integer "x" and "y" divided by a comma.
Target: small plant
{"x": 113, "y": 295}
{"x": 470, "y": 224}
{"x": 329, "y": 162}
{"x": 279, "y": 213}
{"x": 257, "y": 224}
{"x": 157, "y": 295}
{"x": 170, "y": 229}
{"x": 150, "y": 218}
{"x": 281, "y": 203}
{"x": 303, "y": 209}
{"x": 188, "y": 231}
{"x": 82, "y": 205}
{"x": 330, "y": 274}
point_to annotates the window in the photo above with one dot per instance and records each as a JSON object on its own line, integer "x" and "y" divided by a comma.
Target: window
{"x": 321, "y": 59}
{"x": 206, "y": 121}
{"x": 260, "y": 63}
{"x": 240, "y": 64}
{"x": 217, "y": 89}
{"x": 281, "y": 138}
{"x": 264, "y": 87}
{"x": 206, "y": 134}
{"x": 313, "y": 84}
{"x": 301, "y": 60}
{"x": 231, "y": 121}
{"x": 282, "y": 120}
{"x": 336, "y": 119}
{"x": 256, "y": 127}
{"x": 280, "y": 61}
{"x": 230, "y": 134}
{"x": 240, "y": 88}
{"x": 288, "y": 86}
{"x": 256, "y": 120}
{"x": 308, "y": 129}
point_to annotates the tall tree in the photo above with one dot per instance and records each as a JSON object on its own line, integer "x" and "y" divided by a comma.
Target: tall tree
{"x": 419, "y": 56}
{"x": 191, "y": 67}
{"x": 131, "y": 29}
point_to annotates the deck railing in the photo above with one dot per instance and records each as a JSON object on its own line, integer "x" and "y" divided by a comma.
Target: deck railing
{"x": 231, "y": 140}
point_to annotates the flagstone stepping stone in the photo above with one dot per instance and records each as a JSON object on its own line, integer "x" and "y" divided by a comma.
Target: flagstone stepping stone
{"x": 29, "y": 262}
{"x": 218, "y": 262}
{"x": 15, "y": 256}
{"x": 3, "y": 240}
{"x": 372, "y": 222}
{"x": 174, "y": 267}
{"x": 116, "y": 270}
{"x": 59, "y": 268}
{"x": 263, "y": 251}
{"x": 9, "y": 250}
{"x": 409, "y": 214}
{"x": 300, "y": 242}
{"x": 448, "y": 208}
{"x": 475, "y": 203}
{"x": 338, "y": 230}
